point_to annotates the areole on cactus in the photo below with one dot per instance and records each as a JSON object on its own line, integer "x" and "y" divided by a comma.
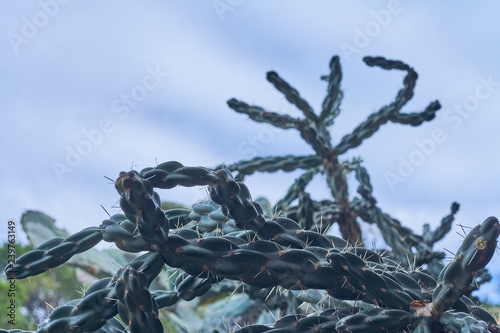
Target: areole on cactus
{"x": 230, "y": 242}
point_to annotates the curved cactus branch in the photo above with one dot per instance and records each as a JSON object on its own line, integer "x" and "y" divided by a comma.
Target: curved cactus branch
{"x": 291, "y": 95}
{"x": 273, "y": 163}
{"x": 389, "y": 112}
{"x": 331, "y": 103}
{"x": 262, "y": 116}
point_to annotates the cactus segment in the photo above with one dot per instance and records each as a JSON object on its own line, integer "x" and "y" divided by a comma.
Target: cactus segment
{"x": 462, "y": 322}
{"x": 142, "y": 206}
{"x": 475, "y": 252}
{"x": 53, "y": 253}
{"x": 138, "y": 308}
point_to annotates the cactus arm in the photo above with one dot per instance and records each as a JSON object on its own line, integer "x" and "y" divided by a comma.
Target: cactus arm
{"x": 383, "y": 288}
{"x": 292, "y": 95}
{"x": 223, "y": 190}
{"x": 136, "y": 306}
{"x": 375, "y": 320}
{"x": 350, "y": 320}
{"x": 363, "y": 131}
{"x": 416, "y": 118}
{"x": 365, "y": 187}
{"x": 274, "y": 163}
{"x": 445, "y": 225}
{"x": 262, "y": 116}
{"x": 305, "y": 211}
{"x": 53, "y": 253}
{"x": 331, "y": 103}
{"x": 475, "y": 252}
{"x": 142, "y": 206}
{"x": 462, "y": 322}
{"x": 484, "y": 315}
{"x": 337, "y": 182}
{"x": 389, "y": 112}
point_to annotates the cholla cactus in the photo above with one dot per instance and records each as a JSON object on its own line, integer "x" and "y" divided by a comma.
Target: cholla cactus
{"x": 263, "y": 253}
{"x": 317, "y": 282}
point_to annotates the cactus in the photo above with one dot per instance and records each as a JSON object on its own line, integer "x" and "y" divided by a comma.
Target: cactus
{"x": 231, "y": 244}
{"x": 278, "y": 254}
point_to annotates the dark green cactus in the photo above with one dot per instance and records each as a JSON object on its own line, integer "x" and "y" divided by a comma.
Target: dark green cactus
{"x": 280, "y": 253}
{"x": 476, "y": 251}
{"x": 231, "y": 244}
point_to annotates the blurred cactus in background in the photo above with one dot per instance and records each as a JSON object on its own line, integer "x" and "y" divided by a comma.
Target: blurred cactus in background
{"x": 232, "y": 264}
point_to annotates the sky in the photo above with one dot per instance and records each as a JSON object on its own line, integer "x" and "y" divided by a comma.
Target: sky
{"x": 91, "y": 89}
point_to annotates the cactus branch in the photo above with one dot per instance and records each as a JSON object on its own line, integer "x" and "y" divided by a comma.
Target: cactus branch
{"x": 262, "y": 116}
{"x": 331, "y": 103}
{"x": 291, "y": 95}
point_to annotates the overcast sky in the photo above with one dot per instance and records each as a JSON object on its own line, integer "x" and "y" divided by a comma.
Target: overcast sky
{"x": 91, "y": 88}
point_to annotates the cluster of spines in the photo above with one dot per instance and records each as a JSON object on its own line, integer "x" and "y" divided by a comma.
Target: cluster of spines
{"x": 282, "y": 255}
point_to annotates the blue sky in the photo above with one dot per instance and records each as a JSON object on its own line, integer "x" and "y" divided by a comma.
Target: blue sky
{"x": 128, "y": 83}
